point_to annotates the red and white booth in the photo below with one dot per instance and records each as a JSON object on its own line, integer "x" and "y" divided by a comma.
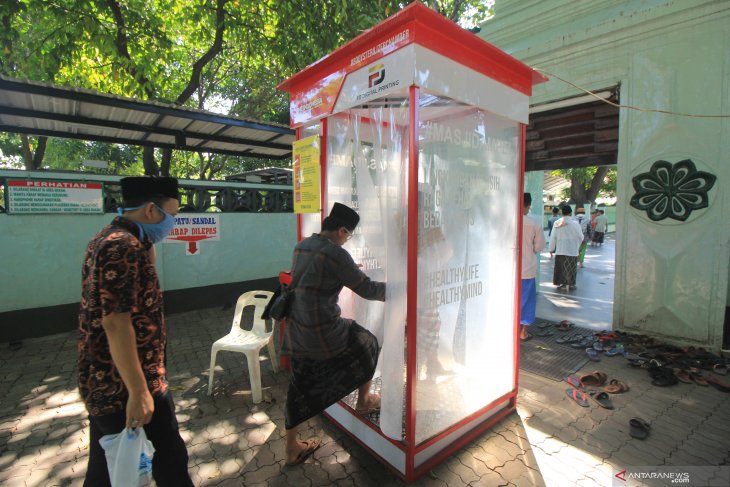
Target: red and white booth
{"x": 420, "y": 126}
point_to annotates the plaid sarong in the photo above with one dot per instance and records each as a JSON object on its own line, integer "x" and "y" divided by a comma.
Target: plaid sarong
{"x": 566, "y": 267}
{"x": 315, "y": 385}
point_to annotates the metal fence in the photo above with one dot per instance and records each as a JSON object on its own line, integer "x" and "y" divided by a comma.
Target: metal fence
{"x": 195, "y": 196}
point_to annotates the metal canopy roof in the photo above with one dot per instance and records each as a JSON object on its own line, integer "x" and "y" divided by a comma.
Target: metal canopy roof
{"x": 43, "y": 109}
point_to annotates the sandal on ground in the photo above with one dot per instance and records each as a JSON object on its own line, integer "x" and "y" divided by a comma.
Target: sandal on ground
{"x": 578, "y": 396}
{"x": 563, "y": 339}
{"x": 594, "y": 379}
{"x": 663, "y": 377}
{"x": 718, "y": 384}
{"x": 573, "y": 381}
{"x": 601, "y": 398}
{"x": 720, "y": 369}
{"x": 699, "y": 379}
{"x": 311, "y": 446}
{"x": 639, "y": 428}
{"x": 682, "y": 375}
{"x": 592, "y": 355}
{"x": 565, "y": 325}
{"x": 616, "y": 387}
{"x": 373, "y": 405}
{"x": 618, "y": 349}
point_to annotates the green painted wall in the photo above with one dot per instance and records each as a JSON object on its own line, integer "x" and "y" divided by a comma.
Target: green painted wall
{"x": 671, "y": 277}
{"x": 41, "y": 255}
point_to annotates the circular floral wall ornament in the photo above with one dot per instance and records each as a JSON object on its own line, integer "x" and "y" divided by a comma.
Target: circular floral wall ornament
{"x": 672, "y": 190}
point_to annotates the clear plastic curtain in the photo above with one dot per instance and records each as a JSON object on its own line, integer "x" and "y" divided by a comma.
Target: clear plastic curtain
{"x": 466, "y": 267}
{"x": 367, "y": 168}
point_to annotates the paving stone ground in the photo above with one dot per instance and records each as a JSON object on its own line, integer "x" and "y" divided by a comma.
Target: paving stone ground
{"x": 550, "y": 440}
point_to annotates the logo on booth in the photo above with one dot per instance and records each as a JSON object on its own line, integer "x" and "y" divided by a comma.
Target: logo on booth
{"x": 376, "y": 76}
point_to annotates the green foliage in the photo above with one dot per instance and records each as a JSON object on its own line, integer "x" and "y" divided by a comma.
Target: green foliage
{"x": 226, "y": 55}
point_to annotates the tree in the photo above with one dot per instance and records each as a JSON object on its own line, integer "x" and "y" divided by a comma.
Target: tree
{"x": 225, "y": 54}
{"x": 586, "y": 183}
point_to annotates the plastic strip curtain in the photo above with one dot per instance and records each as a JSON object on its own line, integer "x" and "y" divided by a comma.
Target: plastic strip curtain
{"x": 367, "y": 168}
{"x": 466, "y": 268}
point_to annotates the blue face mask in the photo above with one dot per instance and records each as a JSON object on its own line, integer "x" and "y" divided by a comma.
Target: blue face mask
{"x": 154, "y": 231}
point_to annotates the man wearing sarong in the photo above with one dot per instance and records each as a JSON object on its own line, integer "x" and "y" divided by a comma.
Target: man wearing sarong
{"x": 565, "y": 243}
{"x": 331, "y": 356}
{"x": 601, "y": 227}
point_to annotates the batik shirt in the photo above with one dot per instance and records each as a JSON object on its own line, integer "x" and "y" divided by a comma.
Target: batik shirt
{"x": 320, "y": 269}
{"x": 119, "y": 276}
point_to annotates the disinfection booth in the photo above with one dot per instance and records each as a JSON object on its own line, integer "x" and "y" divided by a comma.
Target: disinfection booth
{"x": 420, "y": 126}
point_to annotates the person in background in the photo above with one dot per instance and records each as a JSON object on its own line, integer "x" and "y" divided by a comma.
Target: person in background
{"x": 551, "y": 221}
{"x": 594, "y": 214}
{"x": 533, "y": 242}
{"x": 122, "y": 335}
{"x": 565, "y": 243}
{"x": 601, "y": 227}
{"x": 585, "y": 226}
{"x": 331, "y": 356}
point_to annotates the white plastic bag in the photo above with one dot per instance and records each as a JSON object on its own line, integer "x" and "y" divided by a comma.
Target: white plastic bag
{"x": 128, "y": 458}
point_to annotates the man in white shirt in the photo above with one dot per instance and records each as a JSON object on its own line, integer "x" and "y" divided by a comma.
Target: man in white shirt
{"x": 533, "y": 242}
{"x": 565, "y": 244}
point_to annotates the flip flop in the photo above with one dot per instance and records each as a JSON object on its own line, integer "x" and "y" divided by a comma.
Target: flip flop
{"x": 581, "y": 344}
{"x": 594, "y": 379}
{"x": 616, "y": 387}
{"x": 720, "y": 369}
{"x": 576, "y": 338}
{"x": 639, "y": 428}
{"x": 601, "y": 398}
{"x": 524, "y": 339}
{"x": 544, "y": 324}
{"x": 618, "y": 349}
{"x": 565, "y": 325}
{"x": 578, "y": 396}
{"x": 598, "y": 346}
{"x": 575, "y": 382}
{"x": 682, "y": 375}
{"x": 699, "y": 379}
{"x": 563, "y": 339}
{"x": 718, "y": 384}
{"x": 311, "y": 447}
{"x": 592, "y": 355}
{"x": 544, "y": 333}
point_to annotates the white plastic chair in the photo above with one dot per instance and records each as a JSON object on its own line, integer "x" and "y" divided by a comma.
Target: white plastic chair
{"x": 247, "y": 342}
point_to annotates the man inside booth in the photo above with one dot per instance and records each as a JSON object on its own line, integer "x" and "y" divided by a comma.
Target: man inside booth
{"x": 331, "y": 356}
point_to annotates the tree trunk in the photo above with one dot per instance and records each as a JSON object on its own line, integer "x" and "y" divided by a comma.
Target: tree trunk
{"x": 165, "y": 163}
{"x": 39, "y": 153}
{"x": 577, "y": 193}
{"x": 595, "y": 186}
{"x": 148, "y": 160}
{"x": 27, "y": 153}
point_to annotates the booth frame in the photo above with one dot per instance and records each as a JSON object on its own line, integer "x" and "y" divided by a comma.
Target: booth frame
{"x": 409, "y": 459}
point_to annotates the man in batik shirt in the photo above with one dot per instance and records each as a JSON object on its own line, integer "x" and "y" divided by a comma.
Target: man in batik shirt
{"x": 122, "y": 338}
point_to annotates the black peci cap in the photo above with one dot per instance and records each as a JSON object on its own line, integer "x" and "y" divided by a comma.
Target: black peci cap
{"x": 137, "y": 187}
{"x": 344, "y": 216}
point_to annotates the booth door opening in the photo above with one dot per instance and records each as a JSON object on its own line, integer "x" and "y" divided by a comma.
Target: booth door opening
{"x": 577, "y": 144}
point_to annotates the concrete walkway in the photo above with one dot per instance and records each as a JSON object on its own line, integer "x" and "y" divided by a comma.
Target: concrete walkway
{"x": 589, "y": 306}
{"x": 549, "y": 441}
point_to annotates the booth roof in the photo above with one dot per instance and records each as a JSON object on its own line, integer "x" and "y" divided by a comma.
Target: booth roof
{"x": 33, "y": 108}
{"x": 431, "y": 30}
